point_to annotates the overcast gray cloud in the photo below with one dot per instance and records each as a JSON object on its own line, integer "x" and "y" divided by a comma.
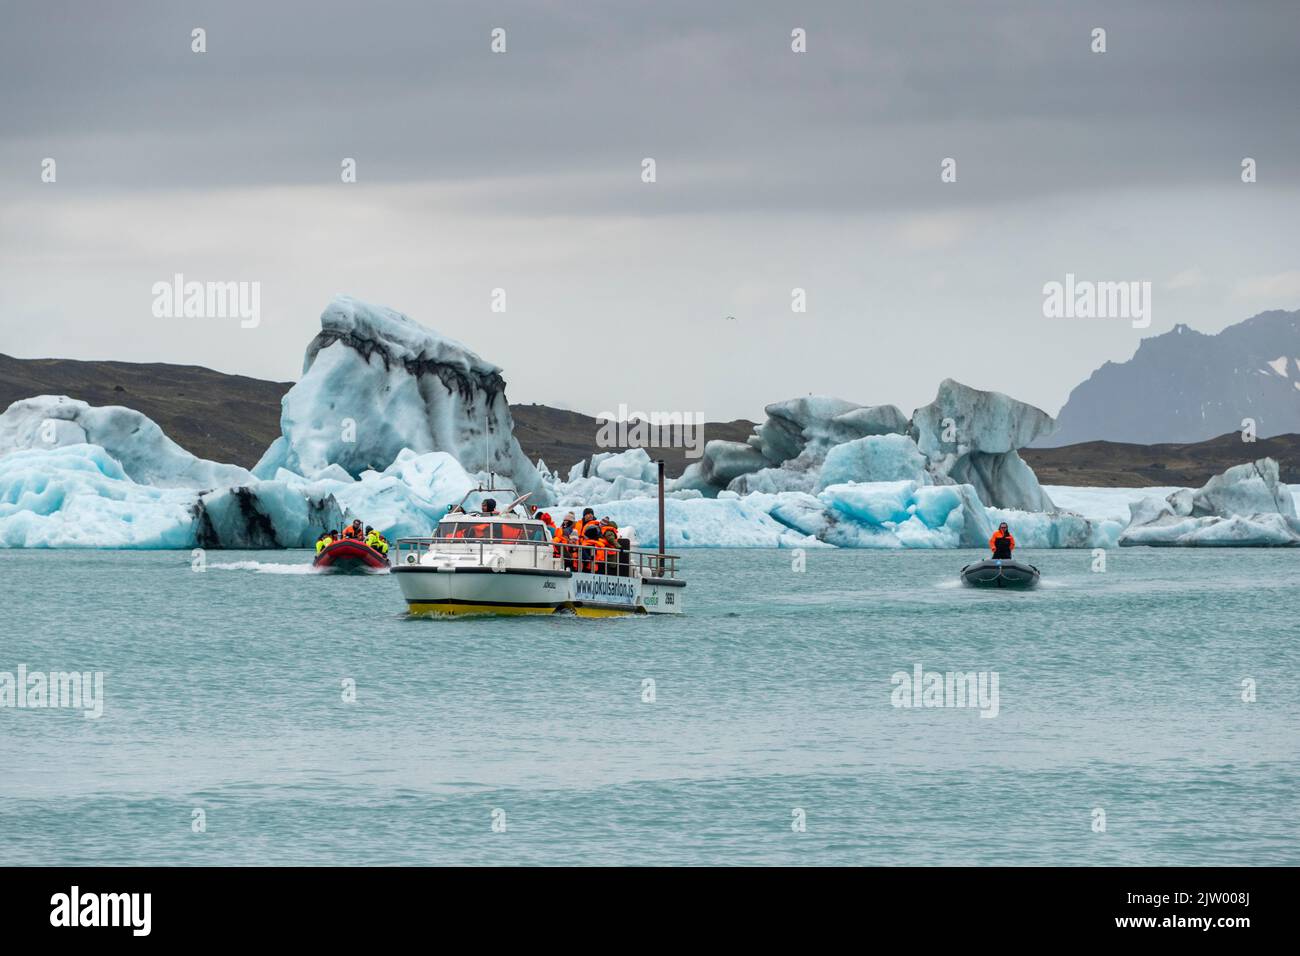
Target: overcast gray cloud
{"x": 775, "y": 170}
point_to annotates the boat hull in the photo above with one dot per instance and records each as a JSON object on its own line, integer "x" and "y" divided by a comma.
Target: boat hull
{"x": 445, "y": 591}
{"x": 1000, "y": 573}
{"x": 350, "y": 557}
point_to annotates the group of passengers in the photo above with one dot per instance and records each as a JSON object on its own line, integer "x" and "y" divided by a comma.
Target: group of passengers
{"x": 589, "y": 543}
{"x": 583, "y": 544}
{"x": 354, "y": 532}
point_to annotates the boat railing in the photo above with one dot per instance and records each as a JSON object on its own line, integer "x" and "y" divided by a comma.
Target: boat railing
{"x": 626, "y": 561}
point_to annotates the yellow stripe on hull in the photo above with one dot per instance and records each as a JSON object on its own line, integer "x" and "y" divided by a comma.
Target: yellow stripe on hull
{"x": 457, "y": 609}
{"x": 605, "y": 611}
{"x": 418, "y": 607}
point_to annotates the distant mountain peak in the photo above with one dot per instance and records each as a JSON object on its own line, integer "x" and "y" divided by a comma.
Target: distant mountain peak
{"x": 1189, "y": 386}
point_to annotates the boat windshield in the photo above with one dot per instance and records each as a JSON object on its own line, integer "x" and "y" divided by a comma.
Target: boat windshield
{"x": 501, "y": 530}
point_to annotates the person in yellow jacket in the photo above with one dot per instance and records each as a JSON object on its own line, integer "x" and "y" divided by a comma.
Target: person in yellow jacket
{"x": 324, "y": 541}
{"x": 376, "y": 540}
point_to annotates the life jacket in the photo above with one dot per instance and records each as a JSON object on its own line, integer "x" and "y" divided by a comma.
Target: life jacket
{"x": 351, "y": 533}
{"x": 372, "y": 540}
{"x": 1002, "y": 544}
{"x": 320, "y": 545}
{"x": 511, "y": 532}
{"x": 593, "y": 550}
{"x": 383, "y": 545}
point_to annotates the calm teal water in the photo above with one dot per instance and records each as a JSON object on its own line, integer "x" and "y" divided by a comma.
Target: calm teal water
{"x": 1119, "y": 690}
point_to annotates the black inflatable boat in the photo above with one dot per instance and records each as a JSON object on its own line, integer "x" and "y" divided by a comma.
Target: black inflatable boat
{"x": 1000, "y": 573}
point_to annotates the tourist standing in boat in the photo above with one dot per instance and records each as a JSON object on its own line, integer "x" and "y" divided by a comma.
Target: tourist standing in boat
{"x": 1002, "y": 542}
{"x": 564, "y": 540}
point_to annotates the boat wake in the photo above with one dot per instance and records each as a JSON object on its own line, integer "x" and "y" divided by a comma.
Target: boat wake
{"x": 265, "y": 567}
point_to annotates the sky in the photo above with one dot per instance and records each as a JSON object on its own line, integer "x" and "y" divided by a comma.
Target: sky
{"x": 775, "y": 170}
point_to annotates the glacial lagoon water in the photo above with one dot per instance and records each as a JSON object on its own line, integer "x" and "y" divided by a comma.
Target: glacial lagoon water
{"x": 1118, "y": 692}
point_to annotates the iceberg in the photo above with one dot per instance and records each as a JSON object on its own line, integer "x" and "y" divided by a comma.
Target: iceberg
{"x": 820, "y": 420}
{"x": 1057, "y": 529}
{"x": 902, "y": 514}
{"x": 375, "y": 382}
{"x": 876, "y": 458}
{"x": 1246, "y": 506}
{"x": 634, "y": 464}
{"x": 1102, "y": 504}
{"x": 965, "y": 437}
{"x": 988, "y": 422}
{"x": 79, "y": 496}
{"x": 970, "y": 436}
{"x": 785, "y": 452}
{"x": 721, "y": 464}
{"x": 905, "y": 514}
{"x": 267, "y": 514}
{"x": 407, "y": 499}
{"x": 727, "y": 521}
{"x": 136, "y": 442}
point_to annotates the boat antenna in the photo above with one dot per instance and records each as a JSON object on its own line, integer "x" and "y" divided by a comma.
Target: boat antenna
{"x": 487, "y": 456}
{"x": 661, "y": 516}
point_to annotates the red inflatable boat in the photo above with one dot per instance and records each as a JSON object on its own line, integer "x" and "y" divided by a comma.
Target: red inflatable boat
{"x": 350, "y": 555}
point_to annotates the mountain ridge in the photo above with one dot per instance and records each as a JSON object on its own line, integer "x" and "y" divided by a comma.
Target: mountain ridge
{"x": 1187, "y": 386}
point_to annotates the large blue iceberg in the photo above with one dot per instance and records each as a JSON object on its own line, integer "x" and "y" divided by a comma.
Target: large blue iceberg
{"x": 376, "y": 382}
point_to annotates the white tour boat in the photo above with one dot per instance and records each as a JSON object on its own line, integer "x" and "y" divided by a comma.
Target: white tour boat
{"x": 505, "y": 562}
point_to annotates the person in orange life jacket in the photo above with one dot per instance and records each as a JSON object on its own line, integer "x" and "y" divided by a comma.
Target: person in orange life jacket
{"x": 588, "y": 516}
{"x": 1002, "y": 542}
{"x": 593, "y": 550}
{"x": 483, "y": 529}
{"x": 563, "y": 539}
{"x": 353, "y": 531}
{"x": 611, "y": 549}
{"x": 569, "y": 527}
